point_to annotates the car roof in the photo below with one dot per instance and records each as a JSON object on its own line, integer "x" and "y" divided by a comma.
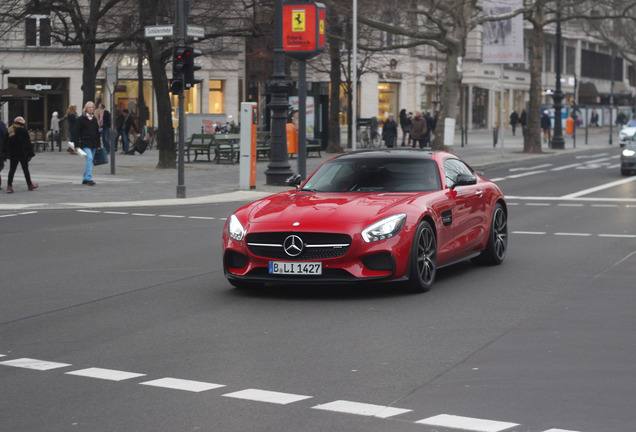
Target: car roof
{"x": 386, "y": 154}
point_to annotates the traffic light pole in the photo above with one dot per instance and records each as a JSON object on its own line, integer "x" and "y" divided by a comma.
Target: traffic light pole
{"x": 180, "y": 14}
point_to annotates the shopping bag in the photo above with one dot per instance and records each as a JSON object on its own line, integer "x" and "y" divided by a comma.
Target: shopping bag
{"x": 142, "y": 146}
{"x": 101, "y": 157}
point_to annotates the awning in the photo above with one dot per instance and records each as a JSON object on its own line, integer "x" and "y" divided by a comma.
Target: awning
{"x": 588, "y": 90}
{"x": 16, "y": 93}
{"x": 605, "y": 88}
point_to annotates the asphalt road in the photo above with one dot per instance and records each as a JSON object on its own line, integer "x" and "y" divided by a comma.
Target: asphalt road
{"x": 121, "y": 320}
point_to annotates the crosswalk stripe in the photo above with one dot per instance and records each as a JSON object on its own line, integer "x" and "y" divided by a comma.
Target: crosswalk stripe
{"x": 29, "y": 363}
{"x": 363, "y": 409}
{"x": 466, "y": 423}
{"x": 181, "y": 384}
{"x": 267, "y": 396}
{"x": 105, "y": 374}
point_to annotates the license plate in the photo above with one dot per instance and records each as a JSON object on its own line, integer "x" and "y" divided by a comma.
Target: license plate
{"x": 295, "y": 268}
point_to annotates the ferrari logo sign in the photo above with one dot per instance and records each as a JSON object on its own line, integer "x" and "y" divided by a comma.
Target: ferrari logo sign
{"x": 298, "y": 20}
{"x": 303, "y": 29}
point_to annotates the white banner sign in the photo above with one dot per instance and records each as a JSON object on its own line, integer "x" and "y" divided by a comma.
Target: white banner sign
{"x": 503, "y": 39}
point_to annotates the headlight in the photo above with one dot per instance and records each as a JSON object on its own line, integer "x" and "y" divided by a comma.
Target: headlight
{"x": 628, "y": 152}
{"x": 234, "y": 228}
{"x": 384, "y": 229}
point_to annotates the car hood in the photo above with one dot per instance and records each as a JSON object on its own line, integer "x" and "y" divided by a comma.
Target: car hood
{"x": 628, "y": 131}
{"x": 324, "y": 208}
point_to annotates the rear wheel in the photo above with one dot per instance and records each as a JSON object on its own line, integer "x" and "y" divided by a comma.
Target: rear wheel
{"x": 495, "y": 251}
{"x": 423, "y": 259}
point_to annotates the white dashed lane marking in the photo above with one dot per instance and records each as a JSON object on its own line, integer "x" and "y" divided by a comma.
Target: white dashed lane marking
{"x": 29, "y": 363}
{"x": 362, "y": 409}
{"x": 267, "y": 396}
{"x": 105, "y": 374}
{"x": 181, "y": 384}
{"x": 466, "y": 423}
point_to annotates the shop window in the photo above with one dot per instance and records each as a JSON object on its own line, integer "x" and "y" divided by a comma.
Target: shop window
{"x": 191, "y": 101}
{"x": 388, "y": 103}
{"x": 38, "y": 31}
{"x": 217, "y": 97}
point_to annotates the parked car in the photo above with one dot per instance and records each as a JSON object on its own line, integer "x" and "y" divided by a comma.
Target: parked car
{"x": 627, "y": 133}
{"x": 370, "y": 216}
{"x": 628, "y": 157}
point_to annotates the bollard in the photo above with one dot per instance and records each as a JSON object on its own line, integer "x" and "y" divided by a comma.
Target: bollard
{"x": 495, "y": 134}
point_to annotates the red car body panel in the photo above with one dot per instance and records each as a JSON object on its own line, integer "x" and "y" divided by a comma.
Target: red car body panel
{"x": 461, "y": 217}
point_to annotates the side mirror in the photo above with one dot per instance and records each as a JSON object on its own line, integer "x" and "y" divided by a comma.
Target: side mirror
{"x": 294, "y": 180}
{"x": 464, "y": 179}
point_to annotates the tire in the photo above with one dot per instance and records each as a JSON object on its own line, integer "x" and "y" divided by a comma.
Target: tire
{"x": 423, "y": 258}
{"x": 625, "y": 172}
{"x": 497, "y": 246}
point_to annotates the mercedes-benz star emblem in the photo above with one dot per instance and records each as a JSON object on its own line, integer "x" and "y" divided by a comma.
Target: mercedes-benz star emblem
{"x": 293, "y": 245}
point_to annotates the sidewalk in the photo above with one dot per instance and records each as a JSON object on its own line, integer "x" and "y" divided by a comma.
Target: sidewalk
{"x": 137, "y": 182}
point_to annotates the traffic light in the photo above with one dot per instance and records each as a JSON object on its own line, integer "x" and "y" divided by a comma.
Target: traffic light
{"x": 180, "y": 60}
{"x": 176, "y": 85}
{"x": 189, "y": 79}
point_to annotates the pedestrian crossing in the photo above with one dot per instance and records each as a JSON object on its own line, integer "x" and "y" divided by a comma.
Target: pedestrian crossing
{"x": 443, "y": 420}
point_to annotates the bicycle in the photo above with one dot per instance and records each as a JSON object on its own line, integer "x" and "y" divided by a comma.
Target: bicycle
{"x": 367, "y": 133}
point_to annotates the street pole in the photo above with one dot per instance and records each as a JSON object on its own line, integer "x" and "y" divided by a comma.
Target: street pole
{"x": 180, "y": 15}
{"x": 354, "y": 73}
{"x": 557, "y": 141}
{"x": 611, "y": 132}
{"x": 278, "y": 169}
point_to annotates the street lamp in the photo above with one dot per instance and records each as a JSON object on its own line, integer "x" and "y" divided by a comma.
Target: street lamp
{"x": 278, "y": 169}
{"x": 557, "y": 140}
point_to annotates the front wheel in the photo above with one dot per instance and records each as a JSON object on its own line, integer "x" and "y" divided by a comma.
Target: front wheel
{"x": 497, "y": 246}
{"x": 423, "y": 259}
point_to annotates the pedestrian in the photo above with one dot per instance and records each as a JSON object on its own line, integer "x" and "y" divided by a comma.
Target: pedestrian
{"x": 405, "y": 125}
{"x": 514, "y": 119}
{"x": 129, "y": 122}
{"x": 621, "y": 120}
{"x": 523, "y": 120}
{"x": 390, "y": 131}
{"x": 119, "y": 127}
{"x": 430, "y": 126}
{"x": 71, "y": 120}
{"x": 546, "y": 124}
{"x": 105, "y": 122}
{"x": 418, "y": 129}
{"x": 4, "y": 137}
{"x": 54, "y": 130}
{"x": 87, "y": 133}
{"x": 19, "y": 151}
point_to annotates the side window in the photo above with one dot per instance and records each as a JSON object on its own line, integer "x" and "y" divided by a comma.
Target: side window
{"x": 452, "y": 168}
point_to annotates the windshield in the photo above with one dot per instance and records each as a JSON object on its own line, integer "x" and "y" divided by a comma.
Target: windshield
{"x": 375, "y": 175}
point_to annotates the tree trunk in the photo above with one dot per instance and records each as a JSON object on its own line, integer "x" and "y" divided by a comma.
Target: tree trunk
{"x": 88, "y": 73}
{"x": 532, "y": 139}
{"x": 165, "y": 132}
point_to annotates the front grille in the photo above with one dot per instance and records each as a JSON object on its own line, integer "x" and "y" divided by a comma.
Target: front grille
{"x": 316, "y": 246}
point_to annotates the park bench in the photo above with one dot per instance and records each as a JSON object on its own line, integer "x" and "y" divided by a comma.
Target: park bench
{"x": 227, "y": 147}
{"x": 199, "y": 144}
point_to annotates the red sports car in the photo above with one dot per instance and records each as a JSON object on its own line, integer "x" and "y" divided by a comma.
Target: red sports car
{"x": 380, "y": 215}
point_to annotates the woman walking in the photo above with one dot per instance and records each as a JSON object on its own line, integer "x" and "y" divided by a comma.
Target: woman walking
{"x": 87, "y": 135}
{"x": 19, "y": 151}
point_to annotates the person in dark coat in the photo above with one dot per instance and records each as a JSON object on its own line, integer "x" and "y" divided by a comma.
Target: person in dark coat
{"x": 105, "y": 123}
{"x": 390, "y": 131}
{"x": 129, "y": 123}
{"x": 4, "y": 138}
{"x": 88, "y": 139}
{"x": 19, "y": 151}
{"x": 523, "y": 119}
{"x": 514, "y": 119}
{"x": 418, "y": 129}
{"x": 405, "y": 125}
{"x": 546, "y": 124}
{"x": 71, "y": 120}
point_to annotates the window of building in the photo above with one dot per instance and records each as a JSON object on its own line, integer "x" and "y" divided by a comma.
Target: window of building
{"x": 570, "y": 60}
{"x": 388, "y": 102}
{"x": 38, "y": 31}
{"x": 217, "y": 97}
{"x": 547, "y": 57}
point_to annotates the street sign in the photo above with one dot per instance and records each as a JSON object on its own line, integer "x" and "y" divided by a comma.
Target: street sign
{"x": 195, "y": 32}
{"x": 303, "y": 29}
{"x": 158, "y": 31}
